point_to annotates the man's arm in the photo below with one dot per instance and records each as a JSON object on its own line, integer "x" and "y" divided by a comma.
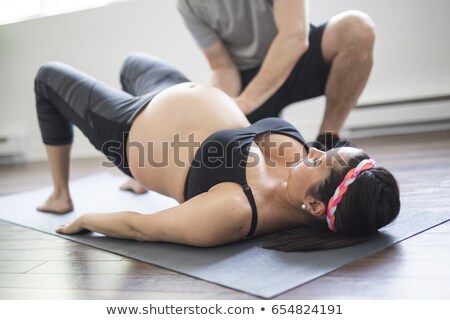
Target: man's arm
{"x": 209, "y": 219}
{"x": 291, "y": 41}
{"x": 225, "y": 74}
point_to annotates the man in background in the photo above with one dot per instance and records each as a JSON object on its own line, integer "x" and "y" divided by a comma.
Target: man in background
{"x": 266, "y": 55}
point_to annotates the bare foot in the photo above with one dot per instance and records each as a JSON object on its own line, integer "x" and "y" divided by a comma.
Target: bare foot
{"x": 57, "y": 204}
{"x": 133, "y": 186}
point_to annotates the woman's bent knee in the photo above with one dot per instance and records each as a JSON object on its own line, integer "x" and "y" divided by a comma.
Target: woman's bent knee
{"x": 135, "y": 62}
{"x": 55, "y": 129}
{"x": 47, "y": 74}
{"x": 48, "y": 70}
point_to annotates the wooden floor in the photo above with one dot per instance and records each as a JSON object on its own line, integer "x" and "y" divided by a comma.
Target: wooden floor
{"x": 34, "y": 265}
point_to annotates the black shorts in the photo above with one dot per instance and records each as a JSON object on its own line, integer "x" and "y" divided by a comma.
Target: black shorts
{"x": 307, "y": 79}
{"x": 66, "y": 97}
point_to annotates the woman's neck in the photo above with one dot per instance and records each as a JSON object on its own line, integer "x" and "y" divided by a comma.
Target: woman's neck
{"x": 292, "y": 211}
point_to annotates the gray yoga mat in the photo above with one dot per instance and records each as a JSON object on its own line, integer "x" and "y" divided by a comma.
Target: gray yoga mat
{"x": 243, "y": 266}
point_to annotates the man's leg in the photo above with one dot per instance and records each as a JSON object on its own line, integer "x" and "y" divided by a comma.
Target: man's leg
{"x": 347, "y": 44}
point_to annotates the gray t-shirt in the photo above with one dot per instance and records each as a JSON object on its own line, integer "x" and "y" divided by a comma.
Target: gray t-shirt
{"x": 246, "y": 27}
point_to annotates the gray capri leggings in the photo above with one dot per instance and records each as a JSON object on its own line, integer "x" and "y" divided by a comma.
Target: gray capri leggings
{"x": 66, "y": 97}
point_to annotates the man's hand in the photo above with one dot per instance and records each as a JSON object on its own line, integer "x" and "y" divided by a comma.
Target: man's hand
{"x": 225, "y": 74}
{"x": 227, "y": 79}
{"x": 245, "y": 105}
{"x": 290, "y": 43}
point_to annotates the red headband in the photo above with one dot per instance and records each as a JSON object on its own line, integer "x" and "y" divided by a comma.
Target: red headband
{"x": 342, "y": 188}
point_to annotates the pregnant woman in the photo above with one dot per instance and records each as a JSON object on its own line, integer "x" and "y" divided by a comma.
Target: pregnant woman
{"x": 191, "y": 142}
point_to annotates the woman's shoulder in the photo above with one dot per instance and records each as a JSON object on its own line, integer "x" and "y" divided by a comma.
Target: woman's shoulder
{"x": 278, "y": 125}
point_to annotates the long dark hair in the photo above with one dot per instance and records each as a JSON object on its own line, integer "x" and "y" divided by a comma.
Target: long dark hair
{"x": 371, "y": 202}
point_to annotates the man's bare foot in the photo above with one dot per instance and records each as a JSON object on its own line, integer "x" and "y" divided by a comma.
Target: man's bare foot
{"x": 133, "y": 186}
{"x": 57, "y": 204}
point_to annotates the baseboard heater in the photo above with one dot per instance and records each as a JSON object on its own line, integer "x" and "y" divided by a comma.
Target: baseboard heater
{"x": 11, "y": 148}
{"x": 407, "y": 102}
{"x": 400, "y": 117}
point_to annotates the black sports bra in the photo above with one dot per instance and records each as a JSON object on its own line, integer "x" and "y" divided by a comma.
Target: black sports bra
{"x": 222, "y": 157}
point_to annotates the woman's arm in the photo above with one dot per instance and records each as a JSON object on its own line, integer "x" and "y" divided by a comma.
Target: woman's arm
{"x": 209, "y": 219}
{"x": 116, "y": 225}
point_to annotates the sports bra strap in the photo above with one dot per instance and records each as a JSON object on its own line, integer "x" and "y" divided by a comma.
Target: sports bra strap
{"x": 251, "y": 200}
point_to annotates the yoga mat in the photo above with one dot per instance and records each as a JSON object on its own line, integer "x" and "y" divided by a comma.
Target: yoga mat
{"x": 243, "y": 266}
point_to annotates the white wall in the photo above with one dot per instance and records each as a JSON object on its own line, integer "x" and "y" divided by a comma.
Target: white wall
{"x": 412, "y": 54}
{"x": 95, "y": 41}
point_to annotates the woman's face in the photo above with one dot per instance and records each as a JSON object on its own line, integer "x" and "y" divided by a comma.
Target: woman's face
{"x": 315, "y": 168}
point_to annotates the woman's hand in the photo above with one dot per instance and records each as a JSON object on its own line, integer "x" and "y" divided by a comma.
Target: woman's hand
{"x": 73, "y": 227}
